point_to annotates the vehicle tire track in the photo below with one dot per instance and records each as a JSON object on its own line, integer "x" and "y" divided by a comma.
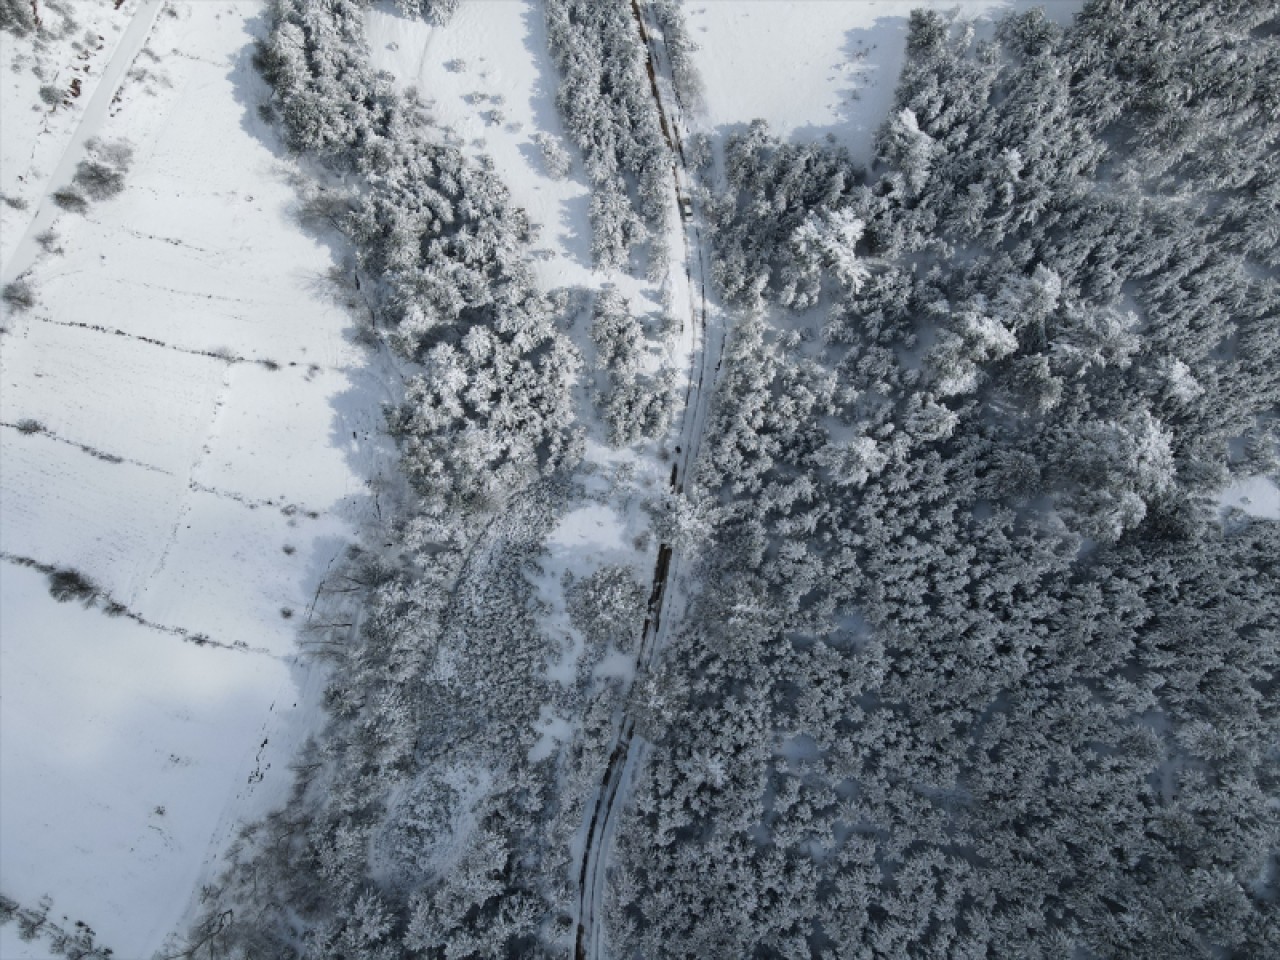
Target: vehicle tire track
{"x": 610, "y": 796}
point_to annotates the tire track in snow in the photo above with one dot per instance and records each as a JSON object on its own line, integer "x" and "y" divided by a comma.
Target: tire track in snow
{"x": 627, "y": 746}
{"x": 131, "y": 43}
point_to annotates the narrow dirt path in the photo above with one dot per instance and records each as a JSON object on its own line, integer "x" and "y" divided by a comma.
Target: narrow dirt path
{"x": 704, "y": 342}
{"x": 131, "y": 43}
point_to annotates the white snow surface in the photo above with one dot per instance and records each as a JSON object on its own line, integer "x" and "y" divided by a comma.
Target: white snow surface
{"x": 816, "y": 67}
{"x": 197, "y": 485}
{"x": 35, "y": 133}
{"x": 1256, "y": 496}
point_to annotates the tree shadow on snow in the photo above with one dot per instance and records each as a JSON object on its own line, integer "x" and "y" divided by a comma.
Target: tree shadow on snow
{"x": 871, "y": 60}
{"x": 372, "y": 380}
{"x": 575, "y": 222}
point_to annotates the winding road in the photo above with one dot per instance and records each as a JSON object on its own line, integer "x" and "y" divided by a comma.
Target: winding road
{"x": 703, "y": 340}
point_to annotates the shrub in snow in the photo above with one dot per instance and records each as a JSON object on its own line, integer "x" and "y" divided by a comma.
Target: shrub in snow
{"x": 102, "y": 175}
{"x": 19, "y": 294}
{"x": 115, "y": 153}
{"x": 17, "y": 17}
{"x": 434, "y": 11}
{"x": 67, "y": 584}
{"x": 75, "y": 942}
{"x": 48, "y": 241}
{"x": 555, "y": 158}
{"x": 98, "y": 180}
{"x": 70, "y": 199}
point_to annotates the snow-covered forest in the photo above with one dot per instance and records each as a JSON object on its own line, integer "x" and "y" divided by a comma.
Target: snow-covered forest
{"x": 978, "y": 666}
{"x": 783, "y": 544}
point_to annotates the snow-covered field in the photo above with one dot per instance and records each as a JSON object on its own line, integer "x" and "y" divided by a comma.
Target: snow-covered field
{"x": 816, "y": 67}
{"x": 83, "y": 51}
{"x": 1256, "y": 496}
{"x": 207, "y": 434}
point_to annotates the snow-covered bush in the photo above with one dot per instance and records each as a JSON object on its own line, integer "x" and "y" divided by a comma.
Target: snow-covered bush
{"x": 67, "y": 584}
{"x": 71, "y": 199}
{"x": 17, "y": 17}
{"x": 434, "y": 11}
{"x": 555, "y": 157}
{"x": 98, "y": 180}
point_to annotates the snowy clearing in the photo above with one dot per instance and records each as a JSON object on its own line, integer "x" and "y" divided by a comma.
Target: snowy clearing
{"x": 816, "y": 67}
{"x": 487, "y": 79}
{"x": 1256, "y": 496}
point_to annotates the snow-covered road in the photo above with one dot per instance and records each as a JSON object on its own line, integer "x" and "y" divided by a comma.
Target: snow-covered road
{"x": 703, "y": 335}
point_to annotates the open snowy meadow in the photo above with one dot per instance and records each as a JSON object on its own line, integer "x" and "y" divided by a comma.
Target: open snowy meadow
{"x": 187, "y": 425}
